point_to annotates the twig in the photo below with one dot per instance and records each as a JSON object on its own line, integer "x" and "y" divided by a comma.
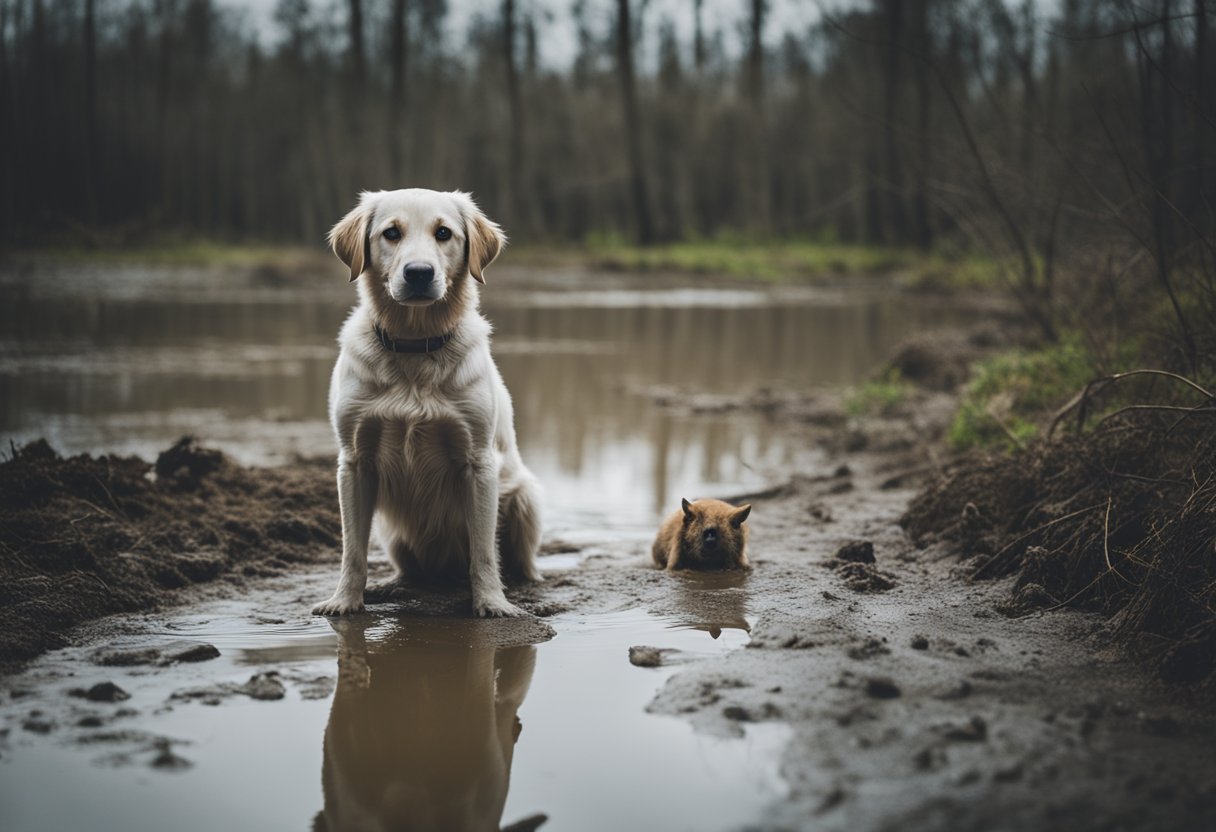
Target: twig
{"x": 1081, "y": 398}
{"x": 1106, "y": 541}
{"x": 1200, "y": 408}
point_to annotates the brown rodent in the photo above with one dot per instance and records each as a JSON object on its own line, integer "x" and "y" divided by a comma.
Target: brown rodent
{"x": 704, "y": 534}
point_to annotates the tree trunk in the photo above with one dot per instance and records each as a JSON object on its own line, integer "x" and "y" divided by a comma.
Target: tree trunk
{"x": 760, "y": 185}
{"x": 92, "y": 157}
{"x": 358, "y": 59}
{"x": 895, "y": 222}
{"x": 398, "y": 104}
{"x": 515, "y": 175}
{"x": 1198, "y": 175}
{"x": 633, "y": 128}
{"x": 924, "y": 227}
{"x": 698, "y": 37}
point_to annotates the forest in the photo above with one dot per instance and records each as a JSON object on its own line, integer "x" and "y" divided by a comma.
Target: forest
{"x": 897, "y": 122}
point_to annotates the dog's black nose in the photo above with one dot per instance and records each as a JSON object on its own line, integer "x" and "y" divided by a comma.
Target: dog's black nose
{"x": 418, "y": 275}
{"x": 710, "y": 535}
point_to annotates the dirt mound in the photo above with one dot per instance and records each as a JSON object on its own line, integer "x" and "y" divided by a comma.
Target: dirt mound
{"x": 83, "y": 537}
{"x": 942, "y": 360}
{"x": 1121, "y": 520}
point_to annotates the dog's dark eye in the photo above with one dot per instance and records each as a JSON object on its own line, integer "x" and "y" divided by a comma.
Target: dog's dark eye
{"x": 443, "y": 233}
{"x": 392, "y": 233}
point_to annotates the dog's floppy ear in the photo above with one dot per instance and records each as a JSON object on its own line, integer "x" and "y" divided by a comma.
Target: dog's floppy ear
{"x": 484, "y": 240}
{"x": 349, "y": 238}
{"x": 740, "y": 515}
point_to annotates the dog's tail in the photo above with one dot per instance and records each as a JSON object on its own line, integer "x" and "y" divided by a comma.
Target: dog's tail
{"x": 519, "y": 527}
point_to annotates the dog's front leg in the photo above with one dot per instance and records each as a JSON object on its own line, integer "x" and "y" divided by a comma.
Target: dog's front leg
{"x": 357, "y": 484}
{"x": 489, "y": 600}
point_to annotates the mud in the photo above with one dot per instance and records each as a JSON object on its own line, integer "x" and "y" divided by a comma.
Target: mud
{"x": 85, "y": 536}
{"x": 1119, "y": 520}
{"x": 905, "y": 698}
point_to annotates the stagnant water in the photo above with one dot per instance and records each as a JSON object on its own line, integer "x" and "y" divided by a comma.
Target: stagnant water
{"x": 421, "y": 723}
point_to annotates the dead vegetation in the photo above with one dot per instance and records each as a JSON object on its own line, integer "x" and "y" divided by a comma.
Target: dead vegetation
{"x": 89, "y": 536}
{"x": 1121, "y": 520}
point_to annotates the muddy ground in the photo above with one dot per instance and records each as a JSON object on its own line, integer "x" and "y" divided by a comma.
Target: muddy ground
{"x": 913, "y": 702}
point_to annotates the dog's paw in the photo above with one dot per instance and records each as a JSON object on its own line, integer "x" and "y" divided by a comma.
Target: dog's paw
{"x": 498, "y": 607}
{"x": 339, "y": 605}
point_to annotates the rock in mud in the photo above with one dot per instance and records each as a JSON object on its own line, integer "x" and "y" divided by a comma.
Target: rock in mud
{"x": 737, "y": 713}
{"x": 856, "y": 551}
{"x": 882, "y": 687}
{"x": 101, "y": 692}
{"x": 178, "y": 651}
{"x": 166, "y": 760}
{"x": 187, "y": 462}
{"x": 871, "y": 648}
{"x": 264, "y": 686}
{"x": 644, "y": 656}
{"x": 192, "y": 652}
{"x": 920, "y": 643}
{"x": 37, "y": 725}
{"x": 865, "y": 577}
{"x": 975, "y": 730}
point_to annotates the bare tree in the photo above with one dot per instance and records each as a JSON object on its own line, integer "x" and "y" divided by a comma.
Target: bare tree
{"x": 399, "y": 38}
{"x": 639, "y": 189}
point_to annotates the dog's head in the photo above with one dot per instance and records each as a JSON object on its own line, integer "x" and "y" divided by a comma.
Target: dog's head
{"x": 418, "y": 244}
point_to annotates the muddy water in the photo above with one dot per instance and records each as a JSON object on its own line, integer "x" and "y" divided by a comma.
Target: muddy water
{"x": 435, "y": 724}
{"x": 128, "y": 359}
{"x": 387, "y": 721}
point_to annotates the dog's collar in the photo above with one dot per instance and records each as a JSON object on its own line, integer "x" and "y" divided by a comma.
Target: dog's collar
{"x": 411, "y": 345}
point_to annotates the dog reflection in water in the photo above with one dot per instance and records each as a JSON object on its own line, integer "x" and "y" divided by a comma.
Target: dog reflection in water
{"x": 422, "y": 729}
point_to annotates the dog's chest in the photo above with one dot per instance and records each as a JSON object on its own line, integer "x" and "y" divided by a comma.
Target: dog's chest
{"x": 435, "y": 445}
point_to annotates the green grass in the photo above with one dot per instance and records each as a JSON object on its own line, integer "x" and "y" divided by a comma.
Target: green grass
{"x": 878, "y": 397}
{"x": 735, "y": 257}
{"x": 1012, "y": 396}
{"x": 185, "y": 253}
{"x": 793, "y": 261}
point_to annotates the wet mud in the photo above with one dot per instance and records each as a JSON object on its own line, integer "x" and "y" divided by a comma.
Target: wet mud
{"x": 851, "y": 679}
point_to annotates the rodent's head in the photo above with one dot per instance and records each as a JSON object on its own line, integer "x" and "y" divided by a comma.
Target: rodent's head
{"x": 713, "y": 535}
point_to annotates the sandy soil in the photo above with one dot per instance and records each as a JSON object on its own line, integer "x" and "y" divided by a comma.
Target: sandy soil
{"x": 913, "y": 703}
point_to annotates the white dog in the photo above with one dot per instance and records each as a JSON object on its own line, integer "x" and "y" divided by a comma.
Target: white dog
{"x": 426, "y": 434}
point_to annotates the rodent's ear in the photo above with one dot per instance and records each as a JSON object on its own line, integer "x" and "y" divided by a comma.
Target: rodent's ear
{"x": 740, "y": 515}
{"x": 687, "y": 506}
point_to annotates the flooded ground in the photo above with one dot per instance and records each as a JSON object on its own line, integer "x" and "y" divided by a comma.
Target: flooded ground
{"x": 127, "y": 360}
{"x": 815, "y": 692}
{"x": 426, "y": 723}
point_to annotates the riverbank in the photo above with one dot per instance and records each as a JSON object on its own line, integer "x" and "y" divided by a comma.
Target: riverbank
{"x": 736, "y": 260}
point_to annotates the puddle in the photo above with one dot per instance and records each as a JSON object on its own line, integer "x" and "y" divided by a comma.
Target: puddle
{"x": 127, "y": 359}
{"x": 429, "y": 724}
{"x": 420, "y": 723}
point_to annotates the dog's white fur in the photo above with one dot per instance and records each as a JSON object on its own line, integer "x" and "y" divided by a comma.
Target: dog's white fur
{"x": 426, "y": 441}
